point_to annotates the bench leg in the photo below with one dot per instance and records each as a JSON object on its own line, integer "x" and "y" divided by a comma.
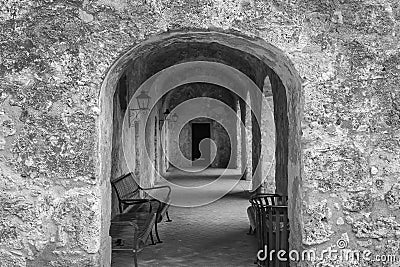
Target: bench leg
{"x": 157, "y": 235}
{"x": 250, "y": 230}
{"x": 135, "y": 257}
{"x": 152, "y": 238}
{"x": 168, "y": 219}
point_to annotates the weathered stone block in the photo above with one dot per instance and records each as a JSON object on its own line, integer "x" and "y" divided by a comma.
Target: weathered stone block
{"x": 317, "y": 227}
{"x": 392, "y": 197}
{"x": 358, "y": 201}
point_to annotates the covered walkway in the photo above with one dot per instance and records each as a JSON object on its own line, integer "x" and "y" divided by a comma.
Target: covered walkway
{"x": 209, "y": 235}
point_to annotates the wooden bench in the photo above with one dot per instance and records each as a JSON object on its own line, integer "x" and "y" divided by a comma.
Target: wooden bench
{"x": 129, "y": 196}
{"x": 132, "y": 227}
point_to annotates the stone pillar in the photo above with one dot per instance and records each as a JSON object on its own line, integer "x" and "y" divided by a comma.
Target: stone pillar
{"x": 256, "y": 145}
{"x": 268, "y": 144}
{"x": 238, "y": 136}
{"x": 233, "y": 131}
{"x": 167, "y": 144}
{"x": 164, "y": 153}
{"x": 268, "y": 138}
{"x": 249, "y": 149}
{"x": 243, "y": 139}
{"x": 282, "y": 127}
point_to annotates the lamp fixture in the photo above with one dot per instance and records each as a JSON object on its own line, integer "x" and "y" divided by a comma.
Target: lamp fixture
{"x": 143, "y": 101}
{"x": 173, "y": 118}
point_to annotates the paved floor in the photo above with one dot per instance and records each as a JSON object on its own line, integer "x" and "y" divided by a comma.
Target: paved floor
{"x": 208, "y": 235}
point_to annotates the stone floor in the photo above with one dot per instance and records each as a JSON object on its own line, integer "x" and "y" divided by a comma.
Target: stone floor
{"x": 208, "y": 235}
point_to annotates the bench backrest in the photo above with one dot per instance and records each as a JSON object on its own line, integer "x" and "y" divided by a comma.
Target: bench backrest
{"x": 126, "y": 187}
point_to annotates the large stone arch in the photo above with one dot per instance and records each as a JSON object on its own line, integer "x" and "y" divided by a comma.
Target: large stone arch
{"x": 275, "y": 64}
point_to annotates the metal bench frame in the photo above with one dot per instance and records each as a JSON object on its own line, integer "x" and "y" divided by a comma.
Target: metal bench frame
{"x": 138, "y": 229}
{"x": 128, "y": 194}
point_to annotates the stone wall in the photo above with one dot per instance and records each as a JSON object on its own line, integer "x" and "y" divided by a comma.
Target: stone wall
{"x": 55, "y": 55}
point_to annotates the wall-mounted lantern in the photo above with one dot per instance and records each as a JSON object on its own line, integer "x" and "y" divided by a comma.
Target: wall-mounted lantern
{"x": 173, "y": 118}
{"x": 143, "y": 101}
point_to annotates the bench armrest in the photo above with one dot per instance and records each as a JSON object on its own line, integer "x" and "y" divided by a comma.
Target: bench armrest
{"x": 130, "y": 202}
{"x": 159, "y": 187}
{"x": 124, "y": 223}
{"x": 123, "y": 229}
{"x": 135, "y": 201}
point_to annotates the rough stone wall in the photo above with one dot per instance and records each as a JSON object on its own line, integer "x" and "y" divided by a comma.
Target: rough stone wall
{"x": 55, "y": 54}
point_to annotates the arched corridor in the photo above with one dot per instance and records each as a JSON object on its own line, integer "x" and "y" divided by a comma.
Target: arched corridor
{"x": 188, "y": 106}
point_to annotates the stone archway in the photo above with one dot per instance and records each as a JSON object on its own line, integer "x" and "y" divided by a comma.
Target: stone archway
{"x": 254, "y": 57}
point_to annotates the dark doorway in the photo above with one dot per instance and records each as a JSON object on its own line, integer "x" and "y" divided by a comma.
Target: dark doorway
{"x": 201, "y": 150}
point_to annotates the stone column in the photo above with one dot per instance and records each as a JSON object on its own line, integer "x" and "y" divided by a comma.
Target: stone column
{"x": 268, "y": 144}
{"x": 256, "y": 145}
{"x": 282, "y": 127}
{"x": 249, "y": 136}
{"x": 243, "y": 139}
{"x": 238, "y": 136}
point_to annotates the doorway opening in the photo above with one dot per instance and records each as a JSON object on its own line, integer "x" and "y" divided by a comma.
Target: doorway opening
{"x": 201, "y": 147}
